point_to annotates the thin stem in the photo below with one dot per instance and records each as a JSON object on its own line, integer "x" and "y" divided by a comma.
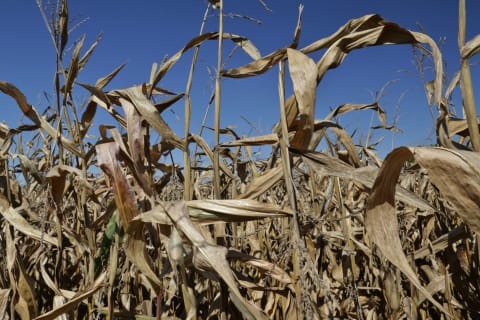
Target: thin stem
{"x": 469, "y": 107}
{"x": 187, "y": 194}
{"x": 216, "y": 159}
{"x": 287, "y": 171}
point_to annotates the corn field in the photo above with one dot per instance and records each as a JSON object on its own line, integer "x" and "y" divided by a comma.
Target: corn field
{"x": 109, "y": 228}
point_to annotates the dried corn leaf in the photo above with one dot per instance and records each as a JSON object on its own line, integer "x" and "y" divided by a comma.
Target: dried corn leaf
{"x": 27, "y": 305}
{"x": 252, "y": 141}
{"x": 4, "y": 296}
{"x": 211, "y": 259}
{"x": 73, "y": 303}
{"x": 84, "y": 59}
{"x": 22, "y": 225}
{"x": 233, "y": 210}
{"x": 62, "y": 170}
{"x": 63, "y": 25}
{"x": 162, "y": 106}
{"x": 31, "y": 166}
{"x": 47, "y": 279}
{"x": 442, "y": 242}
{"x": 344, "y": 108}
{"x": 203, "y": 144}
{"x": 347, "y": 142}
{"x": 215, "y": 211}
{"x": 135, "y": 249}
{"x": 456, "y": 173}
{"x": 107, "y": 154}
{"x": 245, "y": 44}
{"x": 73, "y": 69}
{"x": 266, "y": 267}
{"x": 263, "y": 183}
{"x": 369, "y": 30}
{"x": 150, "y": 114}
{"x": 33, "y": 115}
{"x": 248, "y": 47}
{"x": 470, "y": 48}
{"x": 304, "y": 78}
{"x": 382, "y": 32}
{"x": 381, "y": 221}
{"x": 57, "y": 179}
{"x": 325, "y": 165}
{"x": 136, "y": 144}
{"x": 457, "y": 126}
{"x": 98, "y": 97}
{"x": 356, "y": 33}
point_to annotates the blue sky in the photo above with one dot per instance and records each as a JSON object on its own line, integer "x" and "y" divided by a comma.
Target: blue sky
{"x": 140, "y": 33}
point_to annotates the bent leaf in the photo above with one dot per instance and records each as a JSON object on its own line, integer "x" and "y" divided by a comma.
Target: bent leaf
{"x": 211, "y": 259}
{"x": 381, "y": 220}
{"x": 304, "y": 77}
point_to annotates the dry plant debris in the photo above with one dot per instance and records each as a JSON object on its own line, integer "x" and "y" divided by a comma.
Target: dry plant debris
{"x": 107, "y": 229}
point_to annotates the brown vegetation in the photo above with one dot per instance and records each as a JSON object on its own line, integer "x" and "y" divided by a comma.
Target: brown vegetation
{"x": 109, "y": 231}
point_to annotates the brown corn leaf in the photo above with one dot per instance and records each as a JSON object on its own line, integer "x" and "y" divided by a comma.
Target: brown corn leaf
{"x": 135, "y": 249}
{"x": 347, "y": 142}
{"x": 74, "y": 67}
{"x": 203, "y": 144}
{"x": 471, "y": 48}
{"x": 325, "y": 165}
{"x": 107, "y": 155}
{"x": 125, "y": 155}
{"x": 344, "y": 108}
{"x": 104, "y": 81}
{"x": 211, "y": 259}
{"x": 382, "y": 32}
{"x": 89, "y": 113}
{"x": 246, "y": 45}
{"x": 442, "y": 242}
{"x": 98, "y": 96}
{"x": 31, "y": 166}
{"x": 457, "y": 126}
{"x": 63, "y": 25}
{"x": 252, "y": 141}
{"x": 150, "y": 114}
{"x": 136, "y": 144}
{"x": 303, "y": 72}
{"x": 381, "y": 220}
{"x": 84, "y": 59}
{"x": 31, "y": 113}
{"x": 215, "y": 211}
{"x": 135, "y": 243}
{"x": 47, "y": 279}
{"x": 262, "y": 183}
{"x": 319, "y": 129}
{"x": 4, "y": 296}
{"x": 22, "y": 225}
{"x": 56, "y": 177}
{"x": 162, "y": 106}
{"x": 27, "y": 305}
{"x": 456, "y": 173}
{"x": 266, "y": 267}
{"x": 73, "y": 303}
{"x": 234, "y": 210}
{"x": 369, "y": 30}
{"x": 103, "y": 100}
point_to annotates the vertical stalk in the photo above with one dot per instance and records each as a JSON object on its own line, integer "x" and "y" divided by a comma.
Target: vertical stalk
{"x": 286, "y": 164}
{"x": 219, "y": 230}
{"x": 187, "y": 194}
{"x": 216, "y": 160}
{"x": 470, "y": 111}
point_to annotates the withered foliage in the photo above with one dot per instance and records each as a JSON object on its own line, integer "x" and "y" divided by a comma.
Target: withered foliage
{"x": 107, "y": 227}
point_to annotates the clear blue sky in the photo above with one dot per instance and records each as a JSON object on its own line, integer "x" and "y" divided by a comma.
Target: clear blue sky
{"x": 142, "y": 32}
